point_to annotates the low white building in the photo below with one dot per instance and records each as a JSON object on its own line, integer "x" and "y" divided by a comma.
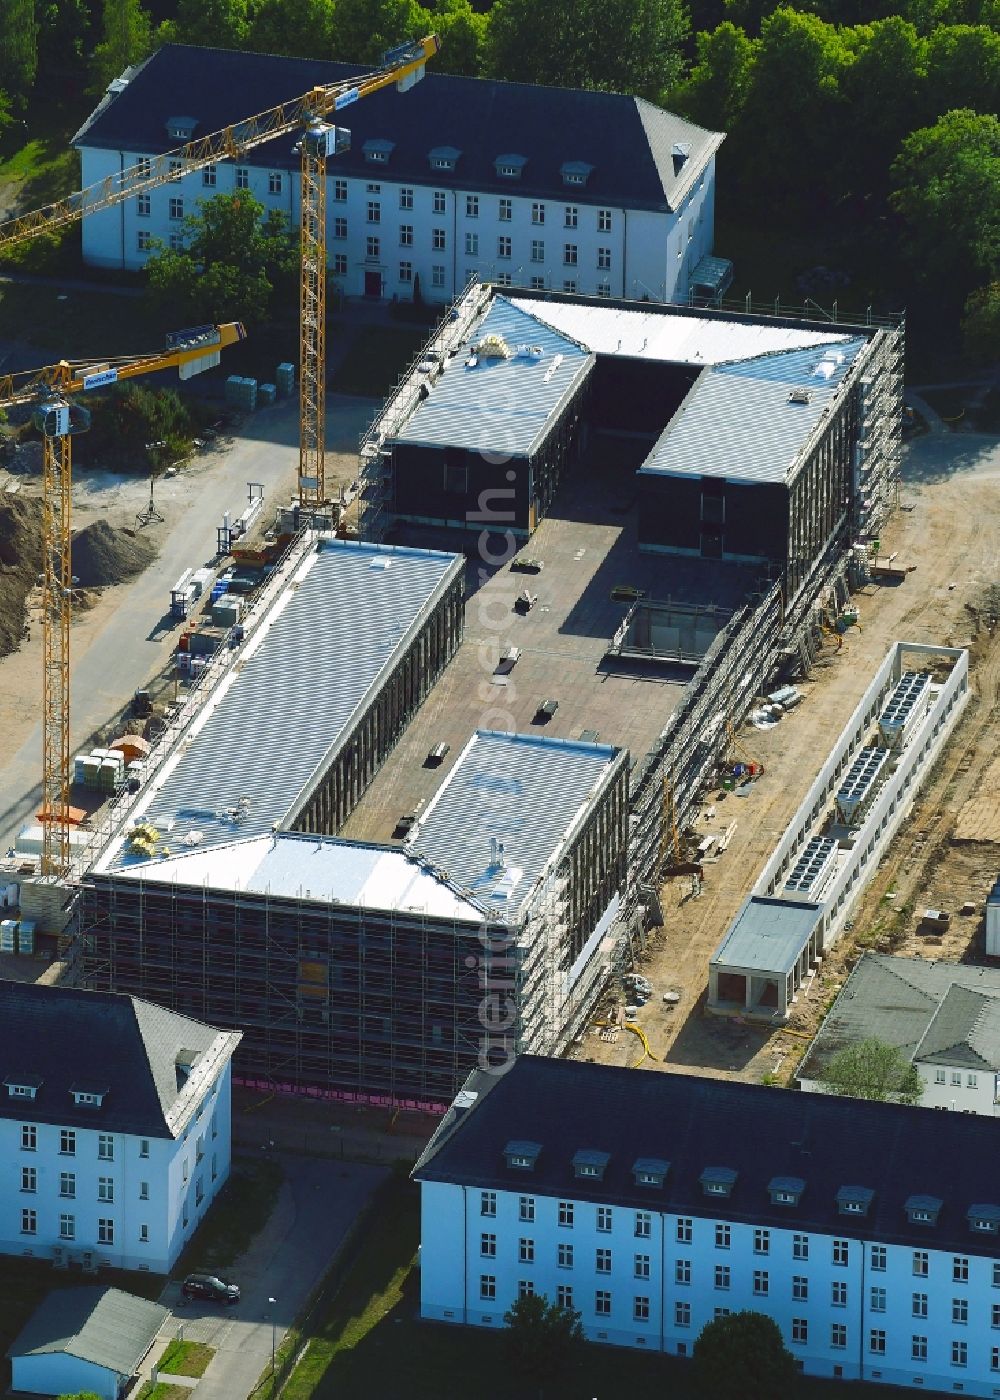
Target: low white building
{"x": 653, "y": 1202}
{"x": 993, "y": 921}
{"x": 115, "y": 1126}
{"x": 527, "y": 186}
{"x": 943, "y": 1017}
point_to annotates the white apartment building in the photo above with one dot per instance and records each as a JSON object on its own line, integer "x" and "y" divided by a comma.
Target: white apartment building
{"x": 115, "y": 1126}
{"x": 653, "y": 1202}
{"x": 545, "y": 188}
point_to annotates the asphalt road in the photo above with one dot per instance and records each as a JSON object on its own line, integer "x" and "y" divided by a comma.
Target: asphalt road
{"x": 135, "y": 641}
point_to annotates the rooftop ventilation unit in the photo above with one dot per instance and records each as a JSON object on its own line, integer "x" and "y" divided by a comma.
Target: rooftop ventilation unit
{"x": 858, "y": 790}
{"x": 812, "y": 870}
{"x": 799, "y": 396}
{"x": 904, "y": 709}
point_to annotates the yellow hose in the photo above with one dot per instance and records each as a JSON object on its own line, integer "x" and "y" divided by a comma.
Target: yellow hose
{"x": 638, "y": 1030}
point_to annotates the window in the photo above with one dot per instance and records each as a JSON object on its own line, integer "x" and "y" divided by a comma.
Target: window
{"x": 437, "y": 275}
{"x": 761, "y": 1283}
{"x": 565, "y": 1256}
{"x": 570, "y": 253}
{"x": 572, "y": 216}
{"x": 956, "y": 1078}
{"x": 569, "y": 284}
{"x": 67, "y": 1227}
{"x": 29, "y": 1179}
{"x": 685, "y": 1228}
{"x": 538, "y": 213}
{"x": 340, "y": 264}
{"x": 682, "y": 1314}
{"x": 564, "y": 1295}
{"x": 604, "y": 1219}
{"x": 488, "y": 1246}
{"x": 940, "y": 1077}
{"x": 876, "y": 1341}
{"x": 143, "y": 168}
{"x": 918, "y": 1348}
{"x": 67, "y": 1142}
{"x": 106, "y": 1147}
{"x": 143, "y": 1190}
{"x": 405, "y": 198}
{"x": 184, "y": 1170}
{"x": 800, "y": 1246}
{"x": 960, "y": 1269}
{"x": 602, "y": 1303}
{"x": 29, "y": 1137}
{"x": 487, "y": 1286}
{"x": 526, "y": 1251}
{"x": 439, "y": 202}
{"x": 995, "y": 1358}
{"x": 487, "y": 1203}
{"x": 438, "y": 239}
{"x": 144, "y": 1147}
{"x": 472, "y": 245}
{"x": 723, "y": 1275}
{"x": 374, "y": 212}
{"x": 723, "y": 1236}
{"x": 472, "y": 206}
{"x": 67, "y": 1184}
{"x": 215, "y": 1169}
{"x": 566, "y": 1214}
{"x": 960, "y": 1310}
{"x": 274, "y": 181}
{"x": 838, "y": 1295}
{"x": 525, "y": 1288}
{"x": 340, "y": 227}
{"x": 242, "y": 177}
{"x": 878, "y": 1300}
{"x": 406, "y": 272}
{"x": 505, "y": 211}
{"x": 800, "y": 1288}
{"x": 838, "y": 1334}
{"x": 340, "y": 191}
{"x": 920, "y": 1263}
{"x": 841, "y": 1251}
{"x": 176, "y": 207}
{"x": 800, "y": 1329}
{"x": 642, "y": 1265}
{"x": 643, "y": 1224}
{"x": 143, "y": 240}
{"x": 503, "y": 247}
{"x": 105, "y": 1230}
{"x": 878, "y": 1258}
{"x": 29, "y": 1222}
{"x": 526, "y": 1208}
{"x": 143, "y": 205}
{"x": 604, "y": 288}
{"x": 919, "y": 1305}
{"x": 682, "y": 1271}
{"x": 208, "y": 177}
{"x": 176, "y": 243}
{"x": 604, "y": 221}
{"x": 537, "y": 250}
{"x": 604, "y": 258}
{"x": 603, "y": 1261}
{"x": 174, "y": 167}
{"x": 762, "y": 1242}
{"x": 373, "y": 249}
{"x": 640, "y": 1309}
{"x": 960, "y": 1353}
{"x": 105, "y": 1188}
{"x": 144, "y": 1234}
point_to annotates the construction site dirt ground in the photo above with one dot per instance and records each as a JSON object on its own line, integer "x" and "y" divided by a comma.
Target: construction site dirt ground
{"x": 947, "y": 530}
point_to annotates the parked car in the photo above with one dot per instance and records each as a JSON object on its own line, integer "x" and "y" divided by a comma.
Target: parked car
{"x": 210, "y": 1288}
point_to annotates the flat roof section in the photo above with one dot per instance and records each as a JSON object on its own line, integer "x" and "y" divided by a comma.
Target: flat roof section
{"x": 499, "y": 405}
{"x": 750, "y": 421}
{"x": 689, "y": 339}
{"x": 505, "y": 809}
{"x": 767, "y": 936}
{"x": 328, "y": 635}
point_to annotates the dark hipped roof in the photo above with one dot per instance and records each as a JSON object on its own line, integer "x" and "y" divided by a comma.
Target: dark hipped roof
{"x": 101, "y": 1325}
{"x": 65, "y": 1038}
{"x": 626, "y": 140}
{"x": 696, "y": 1123}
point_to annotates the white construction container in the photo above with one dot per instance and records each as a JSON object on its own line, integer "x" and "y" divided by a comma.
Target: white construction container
{"x": 8, "y": 935}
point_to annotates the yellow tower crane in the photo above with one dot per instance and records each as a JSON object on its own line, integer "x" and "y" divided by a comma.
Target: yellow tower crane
{"x": 58, "y": 420}
{"x": 403, "y": 66}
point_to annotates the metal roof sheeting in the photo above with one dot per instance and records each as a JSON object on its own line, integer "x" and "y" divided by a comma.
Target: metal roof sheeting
{"x": 306, "y": 673}
{"x": 101, "y": 1325}
{"x": 501, "y": 406}
{"x": 523, "y": 791}
{"x": 739, "y": 422}
{"x": 767, "y": 935}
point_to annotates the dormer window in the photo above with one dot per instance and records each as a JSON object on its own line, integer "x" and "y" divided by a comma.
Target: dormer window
{"x": 444, "y": 157}
{"x": 922, "y": 1210}
{"x": 377, "y": 151}
{"x": 984, "y": 1219}
{"x": 590, "y": 1164}
{"x": 575, "y": 172}
{"x": 785, "y": 1190}
{"x": 20, "y": 1089}
{"x": 181, "y": 128}
{"x": 718, "y": 1181}
{"x": 509, "y": 167}
{"x": 854, "y": 1200}
{"x": 680, "y": 153}
{"x": 88, "y": 1098}
{"x": 522, "y": 1155}
{"x": 650, "y": 1171}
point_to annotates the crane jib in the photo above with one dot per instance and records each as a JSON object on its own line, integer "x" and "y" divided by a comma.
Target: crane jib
{"x": 345, "y": 99}
{"x": 98, "y": 380}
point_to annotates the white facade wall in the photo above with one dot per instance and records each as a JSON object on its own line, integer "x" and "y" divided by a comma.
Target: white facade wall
{"x": 56, "y": 1373}
{"x": 993, "y": 927}
{"x": 147, "y": 1188}
{"x": 618, "y": 252}
{"x": 826, "y": 1294}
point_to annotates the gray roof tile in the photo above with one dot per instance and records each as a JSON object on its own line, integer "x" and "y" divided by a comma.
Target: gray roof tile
{"x": 101, "y": 1325}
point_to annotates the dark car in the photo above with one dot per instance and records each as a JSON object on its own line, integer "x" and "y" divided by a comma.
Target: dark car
{"x": 212, "y": 1289}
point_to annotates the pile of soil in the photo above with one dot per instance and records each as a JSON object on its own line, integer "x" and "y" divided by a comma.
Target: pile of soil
{"x": 20, "y": 564}
{"x": 102, "y": 556}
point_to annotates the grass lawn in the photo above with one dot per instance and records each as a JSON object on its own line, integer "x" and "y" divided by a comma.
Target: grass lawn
{"x": 161, "y": 1390}
{"x": 378, "y": 356}
{"x": 185, "y": 1359}
{"x": 77, "y": 325}
{"x": 240, "y": 1213}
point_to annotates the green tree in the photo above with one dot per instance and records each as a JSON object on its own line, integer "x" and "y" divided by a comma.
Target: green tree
{"x": 298, "y": 28}
{"x": 80, "y": 1395}
{"x": 963, "y": 69}
{"x": 18, "y": 49}
{"x": 463, "y": 38}
{"x": 872, "y": 1070}
{"x": 929, "y": 15}
{"x": 236, "y": 264}
{"x": 715, "y": 91}
{"x": 883, "y": 87}
{"x": 214, "y": 23}
{"x": 364, "y": 29}
{"x": 565, "y": 43}
{"x": 542, "y": 1337}
{"x": 981, "y": 323}
{"x": 62, "y": 33}
{"x": 140, "y": 428}
{"x": 127, "y": 39}
{"x": 743, "y": 1357}
{"x": 946, "y": 182}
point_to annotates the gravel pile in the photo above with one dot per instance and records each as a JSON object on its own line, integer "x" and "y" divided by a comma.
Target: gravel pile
{"x": 103, "y": 556}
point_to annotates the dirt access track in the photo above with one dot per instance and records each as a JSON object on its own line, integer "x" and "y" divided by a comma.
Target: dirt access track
{"x": 947, "y": 526}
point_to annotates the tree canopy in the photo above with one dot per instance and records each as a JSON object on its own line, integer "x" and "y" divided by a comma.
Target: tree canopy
{"x": 18, "y": 48}
{"x": 743, "y": 1357}
{"x": 872, "y": 1070}
{"x": 542, "y": 1336}
{"x": 127, "y": 38}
